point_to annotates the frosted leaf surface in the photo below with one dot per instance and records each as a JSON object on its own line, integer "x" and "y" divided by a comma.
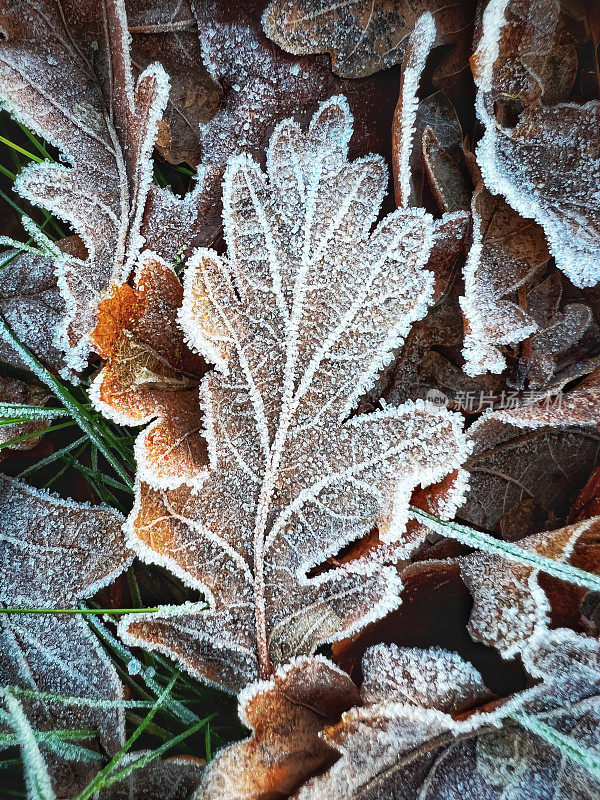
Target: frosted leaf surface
{"x": 407, "y": 694}
{"x": 547, "y": 165}
{"x": 392, "y": 750}
{"x": 31, "y": 303}
{"x": 543, "y": 451}
{"x": 507, "y": 253}
{"x": 150, "y": 374}
{"x": 14, "y": 391}
{"x": 54, "y": 553}
{"x": 104, "y": 126}
{"x": 427, "y": 678}
{"x": 362, "y": 37}
{"x": 285, "y": 715}
{"x": 318, "y": 305}
{"x": 508, "y": 603}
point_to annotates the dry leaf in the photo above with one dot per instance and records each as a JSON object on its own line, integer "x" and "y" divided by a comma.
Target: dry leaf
{"x": 296, "y": 344}
{"x": 66, "y": 71}
{"x": 437, "y": 158}
{"x": 167, "y": 32}
{"x": 409, "y": 696}
{"x": 547, "y": 165}
{"x": 285, "y": 715}
{"x": 55, "y": 553}
{"x": 31, "y": 303}
{"x": 364, "y": 37}
{"x": 544, "y": 451}
{"x": 508, "y": 603}
{"x": 507, "y": 253}
{"x": 151, "y": 374}
{"x": 391, "y": 748}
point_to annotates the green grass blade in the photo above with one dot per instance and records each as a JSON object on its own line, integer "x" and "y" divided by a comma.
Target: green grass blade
{"x": 76, "y": 410}
{"x": 508, "y": 550}
{"x": 580, "y": 755}
{"x": 100, "y": 780}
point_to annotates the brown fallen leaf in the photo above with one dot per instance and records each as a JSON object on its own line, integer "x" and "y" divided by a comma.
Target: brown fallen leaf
{"x": 434, "y": 612}
{"x": 391, "y": 748}
{"x": 14, "y": 391}
{"x": 546, "y": 165}
{"x": 507, "y": 252}
{"x": 55, "y": 553}
{"x": 167, "y": 32}
{"x": 66, "y": 70}
{"x": 293, "y": 478}
{"x": 508, "y": 602}
{"x": 544, "y": 450}
{"x": 32, "y": 305}
{"x": 151, "y": 375}
{"x": 436, "y": 160}
{"x": 262, "y": 85}
{"x": 364, "y": 37}
{"x": 286, "y": 715}
{"x": 173, "y": 778}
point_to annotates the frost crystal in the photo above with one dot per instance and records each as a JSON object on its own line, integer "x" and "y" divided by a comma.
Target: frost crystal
{"x": 547, "y": 166}
{"x": 299, "y": 318}
{"x": 48, "y": 82}
{"x": 54, "y": 553}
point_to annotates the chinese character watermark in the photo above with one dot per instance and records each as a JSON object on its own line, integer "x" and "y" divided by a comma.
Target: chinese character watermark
{"x": 473, "y": 402}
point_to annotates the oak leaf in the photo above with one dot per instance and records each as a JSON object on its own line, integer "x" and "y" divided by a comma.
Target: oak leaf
{"x": 286, "y": 715}
{"x": 56, "y": 552}
{"x": 150, "y": 374}
{"x": 543, "y": 451}
{"x": 298, "y": 318}
{"x": 65, "y": 70}
{"x": 509, "y": 605}
{"x": 389, "y": 747}
{"x": 363, "y": 38}
{"x": 167, "y": 32}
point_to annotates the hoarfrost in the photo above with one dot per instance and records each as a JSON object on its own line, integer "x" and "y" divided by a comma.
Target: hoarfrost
{"x": 296, "y": 342}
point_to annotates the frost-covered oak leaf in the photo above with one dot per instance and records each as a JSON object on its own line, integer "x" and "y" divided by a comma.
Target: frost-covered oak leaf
{"x": 407, "y": 743}
{"x": 298, "y": 318}
{"x": 509, "y": 605}
{"x": 150, "y": 374}
{"x": 54, "y": 553}
{"x": 409, "y": 697}
{"x": 65, "y": 71}
{"x": 547, "y": 165}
